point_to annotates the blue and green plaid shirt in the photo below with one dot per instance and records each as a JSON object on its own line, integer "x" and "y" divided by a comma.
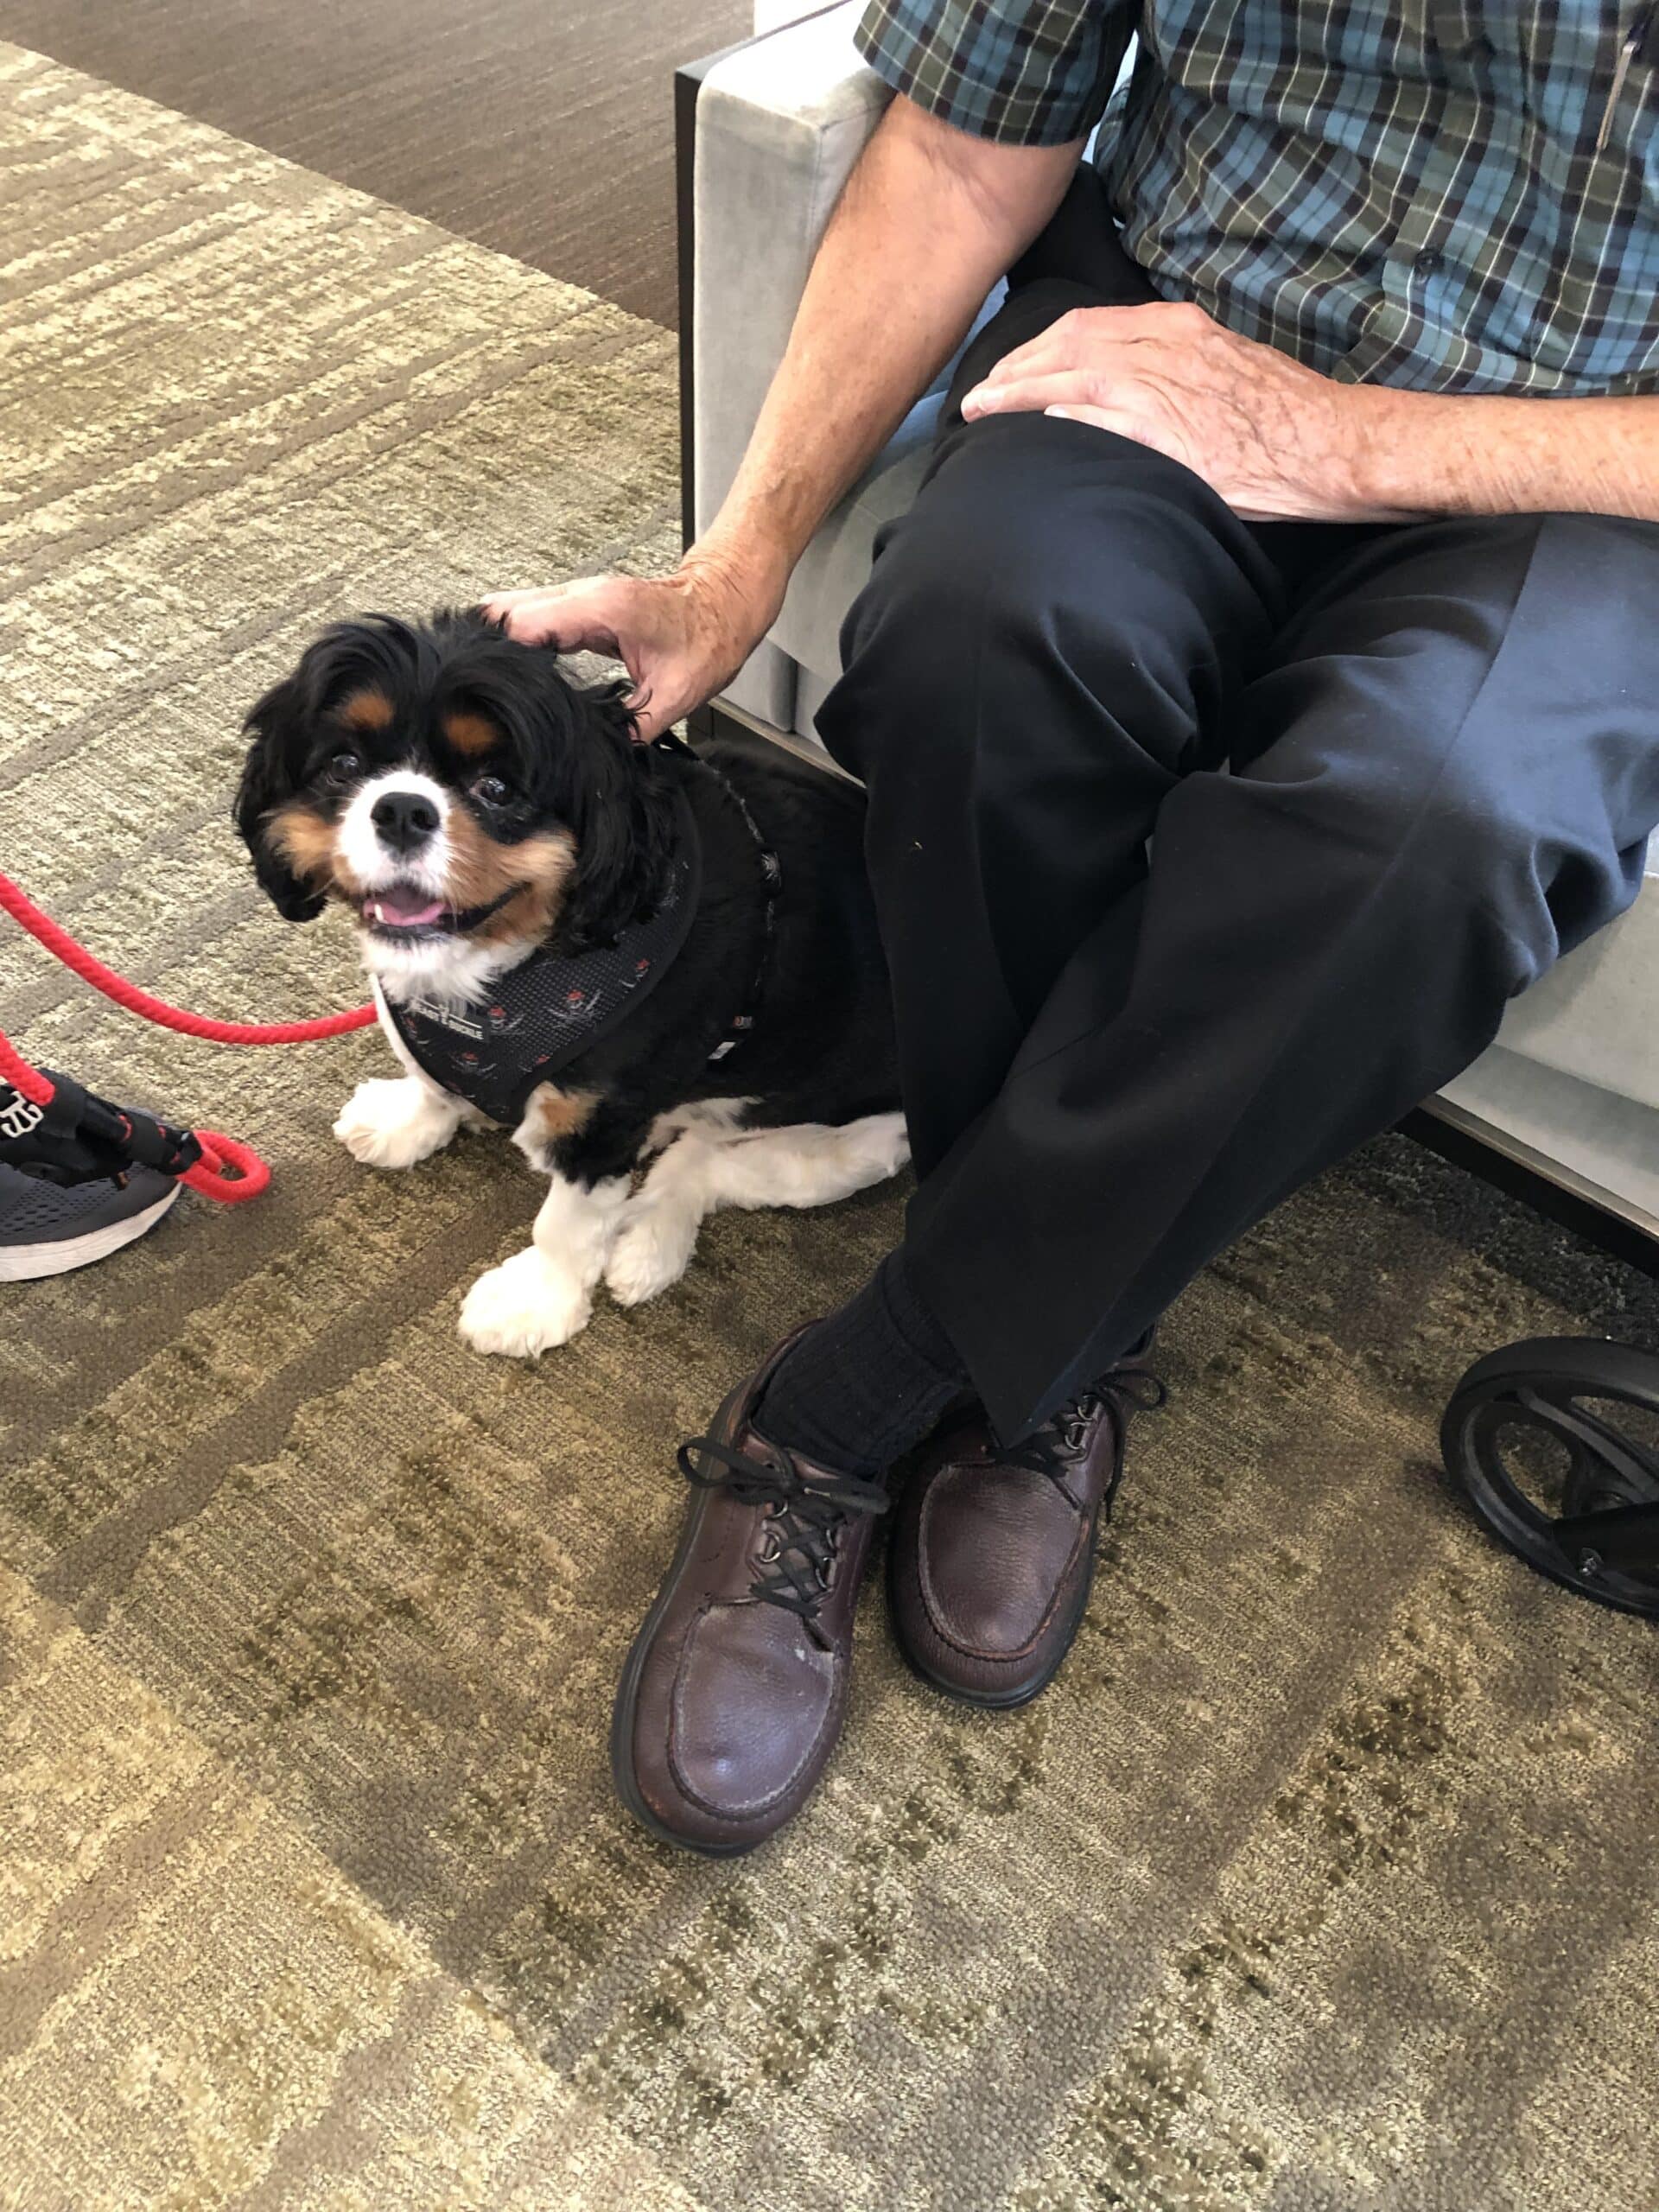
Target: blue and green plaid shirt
{"x": 1456, "y": 195}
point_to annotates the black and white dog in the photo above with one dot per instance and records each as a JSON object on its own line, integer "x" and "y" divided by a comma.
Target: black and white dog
{"x": 617, "y": 951}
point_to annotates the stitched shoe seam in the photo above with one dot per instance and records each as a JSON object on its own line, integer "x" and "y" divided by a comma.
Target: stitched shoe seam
{"x": 687, "y": 1789}
{"x": 987, "y": 1657}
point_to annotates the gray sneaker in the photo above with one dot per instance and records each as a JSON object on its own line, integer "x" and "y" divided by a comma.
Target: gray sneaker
{"x": 48, "y": 1228}
{"x": 71, "y": 1189}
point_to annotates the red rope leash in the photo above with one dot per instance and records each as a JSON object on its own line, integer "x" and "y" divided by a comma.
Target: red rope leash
{"x": 228, "y": 1171}
{"x": 93, "y": 970}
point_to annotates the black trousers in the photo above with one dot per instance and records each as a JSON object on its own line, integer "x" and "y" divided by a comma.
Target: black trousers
{"x": 1204, "y": 850}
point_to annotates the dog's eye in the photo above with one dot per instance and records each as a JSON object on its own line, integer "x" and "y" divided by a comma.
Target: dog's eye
{"x": 490, "y": 790}
{"x": 342, "y": 766}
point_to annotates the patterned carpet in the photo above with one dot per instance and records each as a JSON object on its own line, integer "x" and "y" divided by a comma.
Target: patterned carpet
{"x": 1323, "y": 1881}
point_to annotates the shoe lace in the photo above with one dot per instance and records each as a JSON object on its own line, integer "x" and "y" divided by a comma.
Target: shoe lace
{"x": 1055, "y": 1448}
{"x": 807, "y": 1516}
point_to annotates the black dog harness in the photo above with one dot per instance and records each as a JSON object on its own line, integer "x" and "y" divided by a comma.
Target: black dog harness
{"x": 540, "y": 1015}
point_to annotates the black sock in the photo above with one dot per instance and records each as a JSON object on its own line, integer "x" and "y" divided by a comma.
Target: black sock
{"x": 867, "y": 1383}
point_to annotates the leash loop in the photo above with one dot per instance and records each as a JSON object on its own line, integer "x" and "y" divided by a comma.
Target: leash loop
{"x": 229, "y": 1172}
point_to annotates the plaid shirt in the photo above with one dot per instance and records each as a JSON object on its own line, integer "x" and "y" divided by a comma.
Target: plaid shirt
{"x": 1456, "y": 195}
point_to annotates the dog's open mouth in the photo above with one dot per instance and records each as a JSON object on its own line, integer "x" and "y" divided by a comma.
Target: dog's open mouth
{"x": 402, "y": 911}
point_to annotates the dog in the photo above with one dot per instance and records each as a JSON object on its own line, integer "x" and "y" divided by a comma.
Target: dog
{"x": 633, "y": 956}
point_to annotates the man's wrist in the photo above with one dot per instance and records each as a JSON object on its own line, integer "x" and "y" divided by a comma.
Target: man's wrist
{"x": 1427, "y": 453}
{"x": 746, "y": 579}
{"x": 1381, "y": 446}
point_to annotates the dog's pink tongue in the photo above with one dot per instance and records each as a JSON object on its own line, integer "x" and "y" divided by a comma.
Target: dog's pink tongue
{"x": 405, "y": 910}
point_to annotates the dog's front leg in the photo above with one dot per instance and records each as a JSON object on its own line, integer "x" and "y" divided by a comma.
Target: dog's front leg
{"x": 543, "y": 1296}
{"x": 657, "y": 1233}
{"x": 394, "y": 1120}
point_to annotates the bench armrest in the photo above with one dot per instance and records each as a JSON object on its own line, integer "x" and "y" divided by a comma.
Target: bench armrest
{"x": 768, "y": 132}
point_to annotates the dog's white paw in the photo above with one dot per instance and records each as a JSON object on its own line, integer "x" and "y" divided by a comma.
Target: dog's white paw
{"x": 393, "y": 1121}
{"x": 884, "y": 1142}
{"x": 527, "y": 1304}
{"x": 652, "y": 1250}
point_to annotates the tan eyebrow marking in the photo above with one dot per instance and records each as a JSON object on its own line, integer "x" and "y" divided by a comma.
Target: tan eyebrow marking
{"x": 365, "y": 709}
{"x": 470, "y": 732}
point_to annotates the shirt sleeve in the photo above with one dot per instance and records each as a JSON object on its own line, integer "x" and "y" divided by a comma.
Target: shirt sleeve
{"x": 1033, "y": 75}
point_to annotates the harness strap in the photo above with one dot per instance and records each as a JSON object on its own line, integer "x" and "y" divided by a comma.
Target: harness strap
{"x": 742, "y": 1022}
{"x": 772, "y": 876}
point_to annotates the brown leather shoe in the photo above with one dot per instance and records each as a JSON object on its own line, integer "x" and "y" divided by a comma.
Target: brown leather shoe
{"x": 992, "y": 1550}
{"x": 732, "y": 1698}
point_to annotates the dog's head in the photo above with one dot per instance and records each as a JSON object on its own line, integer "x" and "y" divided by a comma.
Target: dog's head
{"x": 457, "y": 791}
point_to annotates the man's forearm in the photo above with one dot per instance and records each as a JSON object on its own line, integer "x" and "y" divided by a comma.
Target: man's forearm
{"x": 1427, "y": 453}
{"x": 930, "y": 219}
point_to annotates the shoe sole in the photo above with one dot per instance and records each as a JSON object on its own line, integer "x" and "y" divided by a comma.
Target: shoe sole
{"x": 987, "y": 1700}
{"x": 62, "y": 1255}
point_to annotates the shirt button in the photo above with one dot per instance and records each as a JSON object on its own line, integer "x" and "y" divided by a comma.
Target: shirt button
{"x": 1428, "y": 261}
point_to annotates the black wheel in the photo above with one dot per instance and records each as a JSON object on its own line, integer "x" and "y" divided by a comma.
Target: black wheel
{"x": 1555, "y": 1443}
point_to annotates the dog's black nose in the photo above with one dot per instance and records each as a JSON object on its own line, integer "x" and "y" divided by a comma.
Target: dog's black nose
{"x": 404, "y": 819}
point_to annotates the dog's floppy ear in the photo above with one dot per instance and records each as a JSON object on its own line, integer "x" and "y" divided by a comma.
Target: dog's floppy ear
{"x": 277, "y": 730}
{"x": 623, "y": 819}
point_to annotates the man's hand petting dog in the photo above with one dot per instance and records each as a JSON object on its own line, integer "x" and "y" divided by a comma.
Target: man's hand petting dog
{"x": 681, "y": 639}
{"x": 1279, "y": 442}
